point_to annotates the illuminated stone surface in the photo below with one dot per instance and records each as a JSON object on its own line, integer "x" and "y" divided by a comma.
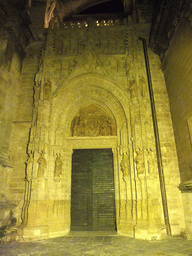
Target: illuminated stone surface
{"x": 98, "y": 245}
{"x": 98, "y": 80}
{"x": 85, "y": 86}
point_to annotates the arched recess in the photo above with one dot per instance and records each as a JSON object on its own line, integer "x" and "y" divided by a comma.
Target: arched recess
{"x": 78, "y": 94}
{"x": 83, "y": 91}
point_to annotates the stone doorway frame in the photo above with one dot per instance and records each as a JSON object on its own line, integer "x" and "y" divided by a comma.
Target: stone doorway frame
{"x": 118, "y": 181}
{"x": 79, "y": 93}
{"x": 55, "y": 137}
{"x": 109, "y": 142}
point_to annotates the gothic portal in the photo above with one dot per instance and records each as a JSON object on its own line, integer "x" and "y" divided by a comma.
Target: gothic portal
{"x": 90, "y": 95}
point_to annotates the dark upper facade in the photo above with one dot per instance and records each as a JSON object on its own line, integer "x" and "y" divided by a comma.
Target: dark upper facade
{"x": 165, "y": 14}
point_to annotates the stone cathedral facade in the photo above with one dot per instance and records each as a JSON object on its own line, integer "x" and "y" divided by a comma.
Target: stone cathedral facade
{"x": 86, "y": 87}
{"x": 91, "y": 92}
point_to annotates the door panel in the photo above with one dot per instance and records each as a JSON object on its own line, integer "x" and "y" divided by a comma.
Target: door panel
{"x": 81, "y": 208}
{"x": 92, "y": 192}
{"x": 105, "y": 212}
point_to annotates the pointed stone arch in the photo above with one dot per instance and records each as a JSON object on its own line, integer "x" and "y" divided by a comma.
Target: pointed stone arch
{"x": 86, "y": 90}
{"x": 84, "y": 93}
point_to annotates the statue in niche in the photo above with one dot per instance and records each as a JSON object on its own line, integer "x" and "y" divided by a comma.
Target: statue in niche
{"x": 47, "y": 90}
{"x": 29, "y": 166}
{"x": 143, "y": 87}
{"x": 58, "y": 166}
{"x": 37, "y": 90}
{"x": 37, "y": 83}
{"x": 139, "y": 161}
{"x": 125, "y": 165}
{"x": 132, "y": 88}
{"x": 151, "y": 160}
{"x": 42, "y": 165}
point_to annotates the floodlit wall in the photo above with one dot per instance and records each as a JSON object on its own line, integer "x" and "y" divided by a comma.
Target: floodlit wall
{"x": 94, "y": 65}
{"x": 178, "y": 74}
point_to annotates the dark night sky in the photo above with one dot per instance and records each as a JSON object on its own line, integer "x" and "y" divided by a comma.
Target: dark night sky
{"x": 114, "y": 6}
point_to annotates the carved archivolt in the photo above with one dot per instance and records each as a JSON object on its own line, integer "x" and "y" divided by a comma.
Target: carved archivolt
{"x": 93, "y": 121}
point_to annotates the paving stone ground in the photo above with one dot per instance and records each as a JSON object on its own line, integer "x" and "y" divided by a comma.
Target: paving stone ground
{"x": 98, "y": 245}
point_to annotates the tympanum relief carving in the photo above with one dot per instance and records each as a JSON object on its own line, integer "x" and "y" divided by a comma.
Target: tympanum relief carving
{"x": 93, "y": 121}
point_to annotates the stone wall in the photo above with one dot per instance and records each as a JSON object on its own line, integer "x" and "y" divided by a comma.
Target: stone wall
{"x": 14, "y": 37}
{"x": 178, "y": 74}
{"x": 37, "y": 15}
{"x": 167, "y": 142}
{"x": 10, "y": 72}
{"x": 79, "y": 69}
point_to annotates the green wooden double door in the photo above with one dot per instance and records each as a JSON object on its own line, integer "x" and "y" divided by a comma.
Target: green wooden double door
{"x": 92, "y": 190}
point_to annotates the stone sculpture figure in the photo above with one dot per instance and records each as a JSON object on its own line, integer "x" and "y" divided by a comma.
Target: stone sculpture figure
{"x": 42, "y": 165}
{"x": 132, "y": 88}
{"x": 47, "y": 90}
{"x": 151, "y": 160}
{"x": 139, "y": 161}
{"x": 105, "y": 126}
{"x": 37, "y": 84}
{"x": 58, "y": 166}
{"x": 125, "y": 165}
{"x": 29, "y": 166}
{"x": 36, "y": 92}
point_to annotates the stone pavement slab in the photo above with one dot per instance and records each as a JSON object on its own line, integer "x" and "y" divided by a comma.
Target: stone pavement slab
{"x": 97, "y": 245}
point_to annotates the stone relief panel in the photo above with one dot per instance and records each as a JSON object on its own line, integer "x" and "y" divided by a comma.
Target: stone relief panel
{"x": 104, "y": 41}
{"x": 93, "y": 121}
{"x": 139, "y": 161}
{"x": 151, "y": 161}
